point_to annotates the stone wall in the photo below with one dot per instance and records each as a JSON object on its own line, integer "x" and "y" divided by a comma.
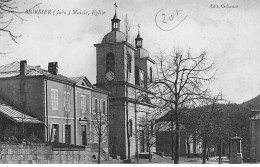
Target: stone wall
{"x": 34, "y": 154}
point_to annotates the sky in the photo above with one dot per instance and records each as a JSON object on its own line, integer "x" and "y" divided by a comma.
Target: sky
{"x": 230, "y": 36}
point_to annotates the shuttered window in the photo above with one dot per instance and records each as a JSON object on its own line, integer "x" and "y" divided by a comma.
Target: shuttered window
{"x": 54, "y": 99}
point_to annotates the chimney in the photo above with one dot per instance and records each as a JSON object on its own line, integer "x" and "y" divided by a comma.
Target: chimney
{"x": 53, "y": 68}
{"x": 23, "y": 67}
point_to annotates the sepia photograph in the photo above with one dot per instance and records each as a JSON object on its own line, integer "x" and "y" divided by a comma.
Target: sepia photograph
{"x": 129, "y": 82}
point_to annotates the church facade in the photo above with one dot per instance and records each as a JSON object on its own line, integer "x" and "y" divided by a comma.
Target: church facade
{"x": 126, "y": 71}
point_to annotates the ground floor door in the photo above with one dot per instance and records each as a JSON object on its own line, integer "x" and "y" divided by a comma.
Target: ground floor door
{"x": 84, "y": 134}
{"x": 68, "y": 134}
{"x": 142, "y": 142}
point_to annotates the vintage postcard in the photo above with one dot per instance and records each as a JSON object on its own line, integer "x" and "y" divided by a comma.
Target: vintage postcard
{"x": 138, "y": 81}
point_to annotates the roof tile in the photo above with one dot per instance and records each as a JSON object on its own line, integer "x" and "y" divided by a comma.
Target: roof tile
{"x": 16, "y": 114}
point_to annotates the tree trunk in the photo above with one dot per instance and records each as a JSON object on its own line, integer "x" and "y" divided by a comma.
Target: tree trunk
{"x": 99, "y": 138}
{"x": 209, "y": 154}
{"x": 136, "y": 136}
{"x": 172, "y": 139}
{"x": 99, "y": 150}
{"x": 149, "y": 149}
{"x": 177, "y": 137}
{"x": 188, "y": 147}
{"x": 128, "y": 142}
{"x": 220, "y": 152}
{"x": 204, "y": 149}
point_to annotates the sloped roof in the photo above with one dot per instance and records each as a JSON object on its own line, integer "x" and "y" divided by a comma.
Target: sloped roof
{"x": 162, "y": 115}
{"x": 114, "y": 36}
{"x": 257, "y": 116}
{"x": 166, "y": 126}
{"x": 16, "y": 114}
{"x": 13, "y": 70}
{"x": 82, "y": 81}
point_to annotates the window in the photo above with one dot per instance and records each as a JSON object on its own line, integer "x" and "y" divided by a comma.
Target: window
{"x": 110, "y": 62}
{"x": 151, "y": 74}
{"x": 67, "y": 101}
{"x": 103, "y": 106}
{"x": 54, "y": 99}
{"x": 129, "y": 63}
{"x": 136, "y": 75}
{"x": 55, "y": 133}
{"x": 83, "y": 105}
{"x": 139, "y": 43}
{"x": 152, "y": 129}
{"x": 141, "y": 78}
{"x": 130, "y": 127}
{"x": 94, "y": 133}
{"x": 94, "y": 106}
{"x": 67, "y": 134}
{"x": 84, "y": 134}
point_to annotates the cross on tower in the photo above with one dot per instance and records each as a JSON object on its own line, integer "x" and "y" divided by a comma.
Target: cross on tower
{"x": 138, "y": 28}
{"x": 115, "y": 6}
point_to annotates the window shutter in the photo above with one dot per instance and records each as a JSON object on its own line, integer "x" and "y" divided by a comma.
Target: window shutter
{"x": 136, "y": 75}
{"x": 49, "y": 131}
{"x": 98, "y": 106}
{"x": 52, "y": 99}
{"x": 105, "y": 108}
{"x": 62, "y": 133}
{"x": 92, "y": 109}
{"x": 81, "y": 103}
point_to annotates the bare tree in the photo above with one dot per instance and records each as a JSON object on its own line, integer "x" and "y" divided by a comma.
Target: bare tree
{"x": 180, "y": 79}
{"x": 99, "y": 119}
{"x": 208, "y": 122}
{"x": 9, "y": 10}
{"x": 127, "y": 28}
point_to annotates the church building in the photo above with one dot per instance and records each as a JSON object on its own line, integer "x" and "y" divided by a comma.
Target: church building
{"x": 126, "y": 71}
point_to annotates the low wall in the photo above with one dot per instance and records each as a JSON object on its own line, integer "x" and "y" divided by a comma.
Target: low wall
{"x": 34, "y": 154}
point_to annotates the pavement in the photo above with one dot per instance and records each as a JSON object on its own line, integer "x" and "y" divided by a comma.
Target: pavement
{"x": 167, "y": 159}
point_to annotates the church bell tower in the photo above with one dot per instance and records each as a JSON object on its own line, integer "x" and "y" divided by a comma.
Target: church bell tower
{"x": 117, "y": 61}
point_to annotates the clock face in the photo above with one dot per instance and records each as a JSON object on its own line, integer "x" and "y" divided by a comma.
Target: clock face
{"x": 110, "y": 76}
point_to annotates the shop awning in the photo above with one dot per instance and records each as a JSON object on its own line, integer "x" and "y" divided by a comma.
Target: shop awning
{"x": 15, "y": 114}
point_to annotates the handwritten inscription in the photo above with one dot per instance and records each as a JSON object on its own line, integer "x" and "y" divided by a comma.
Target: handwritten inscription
{"x": 168, "y": 20}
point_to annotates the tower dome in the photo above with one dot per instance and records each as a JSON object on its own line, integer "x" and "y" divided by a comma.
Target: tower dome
{"x": 115, "y": 35}
{"x": 140, "y": 52}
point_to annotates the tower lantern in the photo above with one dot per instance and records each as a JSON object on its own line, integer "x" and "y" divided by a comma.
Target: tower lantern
{"x": 115, "y": 21}
{"x": 138, "y": 39}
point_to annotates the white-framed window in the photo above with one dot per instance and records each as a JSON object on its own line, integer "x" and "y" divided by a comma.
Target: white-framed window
{"x": 55, "y": 133}
{"x": 67, "y": 101}
{"x": 83, "y": 103}
{"x": 129, "y": 63}
{"x": 103, "y": 107}
{"x": 94, "y": 106}
{"x": 54, "y": 99}
{"x": 94, "y": 133}
{"x": 141, "y": 78}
